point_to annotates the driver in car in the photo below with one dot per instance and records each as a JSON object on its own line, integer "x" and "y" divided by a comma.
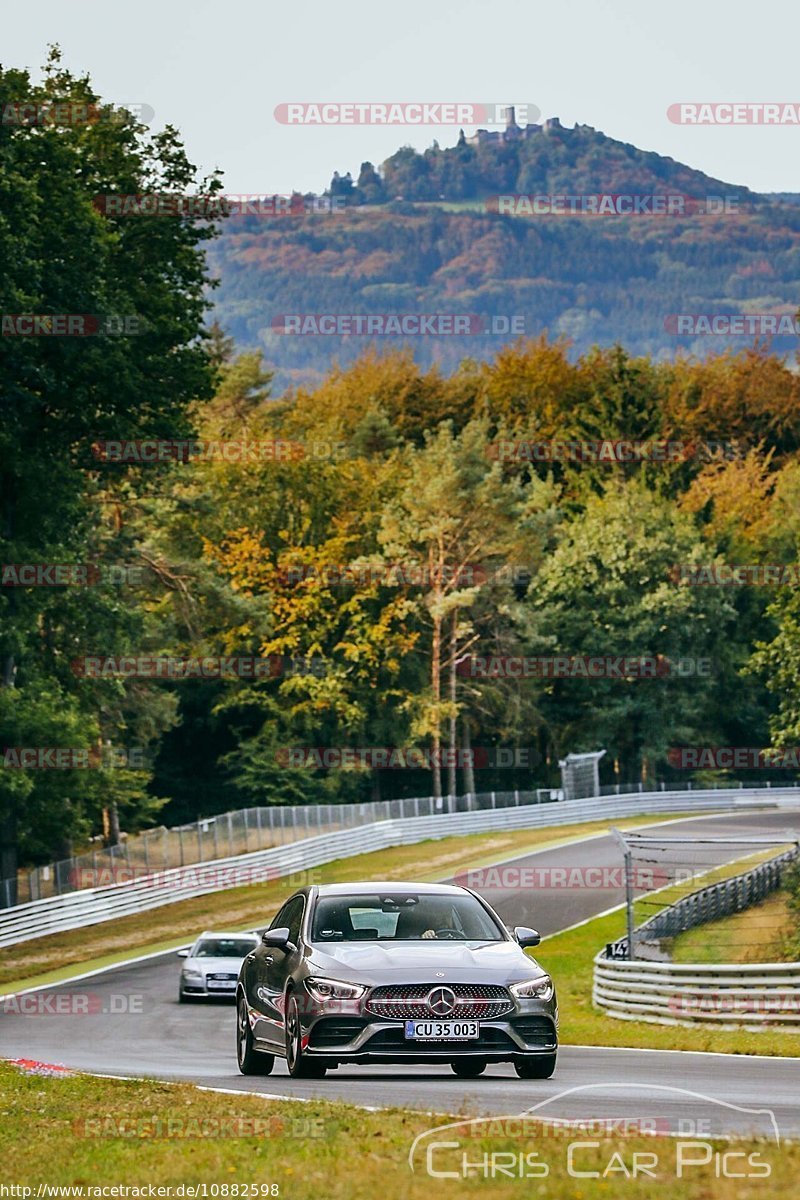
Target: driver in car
{"x": 422, "y": 918}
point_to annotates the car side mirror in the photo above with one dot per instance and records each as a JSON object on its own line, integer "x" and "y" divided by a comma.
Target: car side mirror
{"x": 183, "y": 953}
{"x": 526, "y": 937}
{"x": 278, "y": 938}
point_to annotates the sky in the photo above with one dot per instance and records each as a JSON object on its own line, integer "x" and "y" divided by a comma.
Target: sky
{"x": 218, "y": 71}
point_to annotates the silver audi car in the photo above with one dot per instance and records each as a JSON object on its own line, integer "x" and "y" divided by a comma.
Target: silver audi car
{"x": 212, "y": 964}
{"x": 394, "y": 973}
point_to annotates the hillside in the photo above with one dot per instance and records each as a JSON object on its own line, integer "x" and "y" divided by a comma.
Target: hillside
{"x": 444, "y": 248}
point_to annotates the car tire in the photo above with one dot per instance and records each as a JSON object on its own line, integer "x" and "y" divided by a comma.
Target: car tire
{"x": 250, "y": 1060}
{"x": 468, "y": 1068}
{"x": 300, "y": 1067}
{"x": 541, "y": 1067}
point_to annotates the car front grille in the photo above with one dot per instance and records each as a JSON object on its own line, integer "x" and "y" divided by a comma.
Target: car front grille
{"x": 475, "y": 1001}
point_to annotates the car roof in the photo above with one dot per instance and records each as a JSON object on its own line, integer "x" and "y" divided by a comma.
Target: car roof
{"x": 391, "y": 887}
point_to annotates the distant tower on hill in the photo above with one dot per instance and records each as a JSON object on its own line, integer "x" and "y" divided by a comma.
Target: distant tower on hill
{"x": 512, "y": 129}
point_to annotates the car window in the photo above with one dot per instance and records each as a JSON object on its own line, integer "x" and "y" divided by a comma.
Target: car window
{"x": 290, "y": 917}
{"x": 222, "y": 948}
{"x": 402, "y": 917}
{"x": 277, "y": 921}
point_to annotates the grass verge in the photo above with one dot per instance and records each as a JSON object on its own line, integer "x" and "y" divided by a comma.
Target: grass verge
{"x": 758, "y": 935}
{"x": 56, "y": 957}
{"x": 85, "y": 1133}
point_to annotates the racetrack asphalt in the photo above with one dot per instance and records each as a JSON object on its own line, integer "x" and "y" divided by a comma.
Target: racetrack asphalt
{"x": 135, "y": 1026}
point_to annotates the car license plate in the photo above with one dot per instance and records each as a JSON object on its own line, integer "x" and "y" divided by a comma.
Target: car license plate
{"x": 443, "y": 1031}
{"x": 222, "y": 985}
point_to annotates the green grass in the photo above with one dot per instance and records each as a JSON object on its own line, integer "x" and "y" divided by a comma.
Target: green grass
{"x": 758, "y": 935}
{"x": 59, "y": 956}
{"x": 78, "y": 1131}
{"x": 569, "y": 958}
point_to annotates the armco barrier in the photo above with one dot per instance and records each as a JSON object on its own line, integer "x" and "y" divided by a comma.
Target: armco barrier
{"x": 93, "y": 905}
{"x": 754, "y": 995}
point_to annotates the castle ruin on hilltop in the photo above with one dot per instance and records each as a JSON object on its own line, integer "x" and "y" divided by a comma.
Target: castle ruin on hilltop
{"x": 513, "y": 132}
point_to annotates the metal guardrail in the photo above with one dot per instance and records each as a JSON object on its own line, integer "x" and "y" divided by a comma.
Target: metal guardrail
{"x": 235, "y": 833}
{"x": 248, "y": 829}
{"x": 753, "y": 995}
{"x": 94, "y": 905}
{"x": 757, "y": 995}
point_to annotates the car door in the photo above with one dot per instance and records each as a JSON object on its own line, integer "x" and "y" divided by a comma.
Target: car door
{"x": 275, "y": 966}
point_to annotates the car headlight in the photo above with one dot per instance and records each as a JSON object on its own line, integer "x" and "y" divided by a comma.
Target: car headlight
{"x": 534, "y": 989}
{"x": 333, "y": 989}
{"x": 193, "y": 977}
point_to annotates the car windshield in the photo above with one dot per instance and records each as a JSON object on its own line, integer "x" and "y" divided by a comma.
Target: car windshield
{"x": 222, "y": 948}
{"x": 403, "y": 917}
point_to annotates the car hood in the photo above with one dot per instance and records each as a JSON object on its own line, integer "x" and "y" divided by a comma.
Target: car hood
{"x": 421, "y": 962}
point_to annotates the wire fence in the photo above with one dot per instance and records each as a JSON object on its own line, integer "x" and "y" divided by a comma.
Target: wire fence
{"x": 234, "y": 833}
{"x": 249, "y": 829}
{"x": 710, "y": 903}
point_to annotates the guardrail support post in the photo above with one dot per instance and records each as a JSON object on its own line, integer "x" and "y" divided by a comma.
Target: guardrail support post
{"x": 615, "y": 833}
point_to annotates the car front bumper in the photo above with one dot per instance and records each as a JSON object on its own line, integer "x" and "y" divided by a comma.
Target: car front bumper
{"x": 365, "y": 1038}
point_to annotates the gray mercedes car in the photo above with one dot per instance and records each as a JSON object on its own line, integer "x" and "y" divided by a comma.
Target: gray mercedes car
{"x": 394, "y": 973}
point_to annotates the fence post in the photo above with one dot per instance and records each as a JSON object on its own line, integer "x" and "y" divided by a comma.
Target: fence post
{"x": 230, "y": 833}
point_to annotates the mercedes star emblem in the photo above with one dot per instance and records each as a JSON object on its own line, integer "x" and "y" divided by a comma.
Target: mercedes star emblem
{"x": 441, "y": 1001}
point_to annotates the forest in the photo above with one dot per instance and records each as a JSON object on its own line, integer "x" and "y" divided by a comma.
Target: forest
{"x": 397, "y": 556}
